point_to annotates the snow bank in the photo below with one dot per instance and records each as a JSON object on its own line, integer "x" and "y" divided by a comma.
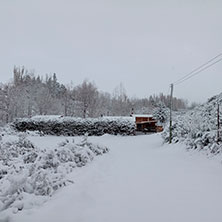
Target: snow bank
{"x": 30, "y": 175}
{"x": 69, "y": 126}
{"x": 198, "y": 128}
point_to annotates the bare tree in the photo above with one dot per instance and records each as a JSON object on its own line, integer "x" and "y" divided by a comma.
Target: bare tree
{"x": 121, "y": 104}
{"x": 87, "y": 95}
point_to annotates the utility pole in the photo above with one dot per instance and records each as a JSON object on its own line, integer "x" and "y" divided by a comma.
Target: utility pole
{"x": 171, "y": 107}
{"x": 218, "y": 123}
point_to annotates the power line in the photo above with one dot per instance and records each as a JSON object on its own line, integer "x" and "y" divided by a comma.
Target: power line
{"x": 187, "y": 76}
{"x": 201, "y": 70}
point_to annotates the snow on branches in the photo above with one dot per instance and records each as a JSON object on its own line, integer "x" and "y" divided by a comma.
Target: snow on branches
{"x": 198, "y": 127}
{"x": 29, "y": 175}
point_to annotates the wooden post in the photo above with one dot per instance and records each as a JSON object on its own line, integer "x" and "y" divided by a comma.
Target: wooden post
{"x": 132, "y": 112}
{"x": 84, "y": 110}
{"x": 171, "y": 107}
{"x": 218, "y": 123}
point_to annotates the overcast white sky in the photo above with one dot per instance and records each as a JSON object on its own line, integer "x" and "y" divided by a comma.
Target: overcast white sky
{"x": 145, "y": 44}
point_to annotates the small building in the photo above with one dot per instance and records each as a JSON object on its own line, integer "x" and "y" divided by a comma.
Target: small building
{"x": 147, "y": 123}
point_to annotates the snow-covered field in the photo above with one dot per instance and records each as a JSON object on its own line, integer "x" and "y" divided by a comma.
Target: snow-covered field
{"x": 139, "y": 179}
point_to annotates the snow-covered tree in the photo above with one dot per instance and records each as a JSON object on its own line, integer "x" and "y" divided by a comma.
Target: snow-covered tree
{"x": 28, "y": 95}
{"x": 161, "y": 112}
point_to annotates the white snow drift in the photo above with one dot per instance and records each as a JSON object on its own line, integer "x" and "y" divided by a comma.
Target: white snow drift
{"x": 139, "y": 179}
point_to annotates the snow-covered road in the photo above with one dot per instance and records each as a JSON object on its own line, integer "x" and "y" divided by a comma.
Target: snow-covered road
{"x": 138, "y": 180}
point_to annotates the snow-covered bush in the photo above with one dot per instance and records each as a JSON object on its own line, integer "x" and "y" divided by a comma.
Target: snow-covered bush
{"x": 198, "y": 128}
{"x": 161, "y": 112}
{"x": 7, "y": 130}
{"x": 27, "y": 170}
{"x": 68, "y": 126}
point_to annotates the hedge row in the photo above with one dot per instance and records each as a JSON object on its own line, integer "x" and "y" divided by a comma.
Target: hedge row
{"x": 68, "y": 126}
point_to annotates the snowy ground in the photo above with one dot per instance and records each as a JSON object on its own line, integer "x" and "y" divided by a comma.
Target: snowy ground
{"x": 138, "y": 180}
